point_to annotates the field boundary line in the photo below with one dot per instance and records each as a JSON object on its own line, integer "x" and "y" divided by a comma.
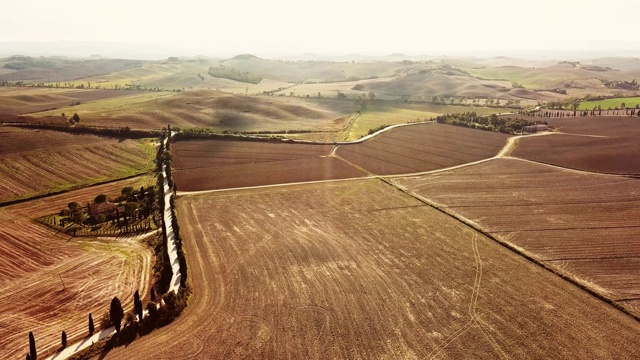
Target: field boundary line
{"x": 518, "y": 251}
{"x": 565, "y": 168}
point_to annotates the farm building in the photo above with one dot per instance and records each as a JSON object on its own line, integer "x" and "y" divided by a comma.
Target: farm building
{"x": 107, "y": 209}
{"x": 535, "y": 128}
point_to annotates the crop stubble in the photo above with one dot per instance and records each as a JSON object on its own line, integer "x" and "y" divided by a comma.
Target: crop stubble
{"x": 38, "y": 162}
{"x": 584, "y": 225}
{"x": 360, "y": 270}
{"x": 93, "y": 271}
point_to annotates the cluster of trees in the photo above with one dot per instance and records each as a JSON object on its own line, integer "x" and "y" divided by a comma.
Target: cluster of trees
{"x": 225, "y": 72}
{"x": 67, "y": 85}
{"x": 205, "y": 133}
{"x": 487, "y": 123}
{"x": 131, "y": 208}
{"x": 125, "y": 132}
{"x": 29, "y": 63}
{"x": 621, "y": 84}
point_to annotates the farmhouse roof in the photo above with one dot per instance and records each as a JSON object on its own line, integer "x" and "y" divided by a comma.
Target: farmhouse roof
{"x": 107, "y": 209}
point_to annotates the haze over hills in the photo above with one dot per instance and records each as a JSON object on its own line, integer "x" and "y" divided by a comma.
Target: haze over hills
{"x": 150, "y": 51}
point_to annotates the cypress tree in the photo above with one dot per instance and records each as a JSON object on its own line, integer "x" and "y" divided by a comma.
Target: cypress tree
{"x": 91, "y": 328}
{"x": 137, "y": 305}
{"x": 32, "y": 347}
{"x": 64, "y": 339}
{"x": 116, "y": 313}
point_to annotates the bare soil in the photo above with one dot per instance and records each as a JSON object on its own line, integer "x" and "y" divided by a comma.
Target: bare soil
{"x": 358, "y": 269}
{"x": 599, "y": 144}
{"x": 50, "y": 281}
{"x": 583, "y": 225}
{"x": 422, "y": 147}
{"x": 219, "y": 164}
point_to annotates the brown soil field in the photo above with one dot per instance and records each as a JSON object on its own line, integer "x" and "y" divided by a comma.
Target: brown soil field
{"x": 16, "y": 101}
{"x": 36, "y": 257}
{"x": 599, "y": 144}
{"x": 35, "y": 162}
{"x": 614, "y": 155}
{"x": 582, "y": 225}
{"x": 610, "y": 126}
{"x": 359, "y": 269}
{"x": 422, "y": 147}
{"x": 219, "y": 164}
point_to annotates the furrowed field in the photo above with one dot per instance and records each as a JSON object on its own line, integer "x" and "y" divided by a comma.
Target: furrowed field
{"x": 359, "y": 269}
{"x": 422, "y": 147}
{"x": 36, "y": 258}
{"x": 219, "y": 164}
{"x": 579, "y": 224}
{"x": 598, "y": 144}
{"x": 40, "y": 162}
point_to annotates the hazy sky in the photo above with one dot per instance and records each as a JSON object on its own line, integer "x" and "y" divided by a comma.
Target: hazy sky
{"x": 327, "y": 26}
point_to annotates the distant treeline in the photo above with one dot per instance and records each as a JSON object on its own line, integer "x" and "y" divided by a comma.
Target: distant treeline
{"x": 124, "y": 132}
{"x": 225, "y": 72}
{"x": 29, "y": 64}
{"x": 204, "y": 133}
{"x": 486, "y": 122}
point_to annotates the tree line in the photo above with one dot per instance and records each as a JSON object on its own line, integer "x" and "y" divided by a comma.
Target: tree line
{"x": 491, "y": 122}
{"x": 159, "y": 310}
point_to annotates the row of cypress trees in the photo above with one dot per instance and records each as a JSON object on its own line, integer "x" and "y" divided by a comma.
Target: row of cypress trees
{"x": 116, "y": 314}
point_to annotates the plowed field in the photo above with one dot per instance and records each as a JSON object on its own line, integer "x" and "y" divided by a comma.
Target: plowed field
{"x": 584, "y": 225}
{"x": 359, "y": 269}
{"x": 218, "y": 164}
{"x": 422, "y": 147}
{"x": 599, "y": 144}
{"x": 35, "y": 162}
{"x": 35, "y": 259}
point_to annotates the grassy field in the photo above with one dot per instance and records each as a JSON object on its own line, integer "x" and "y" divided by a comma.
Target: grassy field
{"x": 358, "y": 269}
{"x": 610, "y": 103}
{"x": 37, "y": 259}
{"x": 215, "y": 110}
{"x": 379, "y": 113}
{"x": 533, "y": 78}
{"x": 37, "y": 162}
{"x": 106, "y": 106}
